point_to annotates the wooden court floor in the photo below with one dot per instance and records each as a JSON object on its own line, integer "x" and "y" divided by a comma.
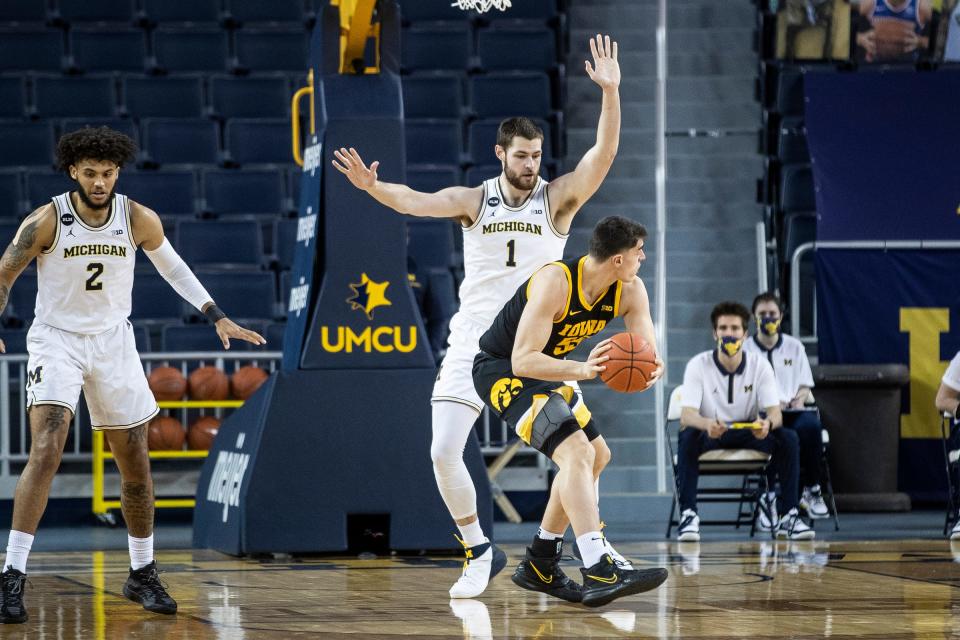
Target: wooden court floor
{"x": 885, "y": 589}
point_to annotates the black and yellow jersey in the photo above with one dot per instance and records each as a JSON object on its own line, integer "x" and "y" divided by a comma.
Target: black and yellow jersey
{"x": 578, "y": 322}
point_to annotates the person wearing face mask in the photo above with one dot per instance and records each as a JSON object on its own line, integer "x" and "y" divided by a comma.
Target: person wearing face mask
{"x": 722, "y": 388}
{"x": 791, "y": 367}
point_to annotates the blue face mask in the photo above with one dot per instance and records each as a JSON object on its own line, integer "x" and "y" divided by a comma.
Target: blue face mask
{"x": 768, "y": 325}
{"x": 729, "y": 345}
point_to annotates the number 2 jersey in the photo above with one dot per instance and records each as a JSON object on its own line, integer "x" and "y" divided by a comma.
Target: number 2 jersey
{"x": 85, "y": 278}
{"x": 503, "y": 247}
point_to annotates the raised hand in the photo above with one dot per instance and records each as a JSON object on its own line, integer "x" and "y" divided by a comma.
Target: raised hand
{"x": 605, "y": 70}
{"x": 351, "y": 165}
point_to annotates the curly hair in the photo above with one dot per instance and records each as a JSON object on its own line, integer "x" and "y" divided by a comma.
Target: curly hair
{"x": 89, "y": 143}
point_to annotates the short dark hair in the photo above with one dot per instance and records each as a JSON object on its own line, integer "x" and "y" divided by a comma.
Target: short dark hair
{"x": 523, "y": 127}
{"x": 766, "y": 296}
{"x": 613, "y": 235}
{"x": 89, "y": 143}
{"x": 729, "y": 308}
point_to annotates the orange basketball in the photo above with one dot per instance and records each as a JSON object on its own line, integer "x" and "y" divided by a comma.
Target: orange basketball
{"x": 167, "y": 383}
{"x": 246, "y": 380}
{"x": 209, "y": 383}
{"x": 631, "y": 363}
{"x": 202, "y": 432}
{"x": 165, "y": 434}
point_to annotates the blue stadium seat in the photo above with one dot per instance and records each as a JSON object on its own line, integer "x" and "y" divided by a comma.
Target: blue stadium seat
{"x": 517, "y": 48}
{"x": 208, "y": 242}
{"x": 441, "y": 304}
{"x": 11, "y": 195}
{"x": 258, "y": 141}
{"x": 196, "y": 337}
{"x": 448, "y": 46}
{"x": 801, "y": 228}
{"x": 792, "y": 143}
{"x": 26, "y": 143}
{"x": 789, "y": 101}
{"x": 431, "y": 178}
{"x": 8, "y": 229}
{"x": 431, "y": 243}
{"x": 434, "y": 95}
{"x": 96, "y": 10}
{"x": 91, "y": 96}
{"x": 477, "y": 174}
{"x": 198, "y": 11}
{"x": 98, "y": 49}
{"x": 23, "y": 296}
{"x": 258, "y": 96}
{"x": 243, "y": 191}
{"x": 13, "y": 97}
{"x": 242, "y": 294}
{"x": 505, "y": 94}
{"x": 418, "y": 10}
{"x": 274, "y": 335}
{"x": 271, "y": 49}
{"x": 285, "y": 242}
{"x": 525, "y": 10}
{"x": 293, "y": 186}
{"x": 154, "y": 300}
{"x": 191, "y": 49}
{"x": 164, "y": 97}
{"x": 796, "y": 189}
{"x": 434, "y": 141}
{"x": 169, "y": 193}
{"x": 126, "y": 127}
{"x": 180, "y": 141}
{"x": 42, "y": 186}
{"x": 482, "y": 137}
{"x": 33, "y": 49}
{"x": 253, "y": 11}
{"x": 23, "y": 11}
{"x": 142, "y": 336}
{"x": 284, "y": 290}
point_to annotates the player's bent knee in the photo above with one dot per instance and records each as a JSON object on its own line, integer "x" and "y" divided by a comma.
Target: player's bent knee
{"x": 602, "y": 454}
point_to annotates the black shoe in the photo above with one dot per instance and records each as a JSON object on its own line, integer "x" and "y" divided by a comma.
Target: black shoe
{"x": 545, "y": 575}
{"x": 605, "y": 582}
{"x": 144, "y": 586}
{"x": 12, "y": 610}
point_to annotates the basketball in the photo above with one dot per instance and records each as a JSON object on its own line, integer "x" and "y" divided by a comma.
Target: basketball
{"x": 630, "y": 365}
{"x": 167, "y": 383}
{"x": 209, "y": 383}
{"x": 246, "y": 380}
{"x": 202, "y": 432}
{"x": 165, "y": 434}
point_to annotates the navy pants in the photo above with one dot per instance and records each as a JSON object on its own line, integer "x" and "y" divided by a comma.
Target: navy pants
{"x": 810, "y": 431}
{"x": 782, "y": 444}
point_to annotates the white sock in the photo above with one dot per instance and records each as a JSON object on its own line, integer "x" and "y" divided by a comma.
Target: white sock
{"x": 543, "y": 534}
{"x": 18, "y": 548}
{"x": 592, "y": 547}
{"x": 141, "y": 551}
{"x": 472, "y": 534}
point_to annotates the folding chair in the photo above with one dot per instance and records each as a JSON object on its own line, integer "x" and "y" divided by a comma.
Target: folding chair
{"x": 951, "y": 459}
{"x": 748, "y": 464}
{"x": 826, "y": 485}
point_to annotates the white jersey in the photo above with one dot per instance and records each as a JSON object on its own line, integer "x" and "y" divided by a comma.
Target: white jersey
{"x": 718, "y": 394}
{"x": 85, "y": 279}
{"x": 951, "y": 377}
{"x": 789, "y": 361}
{"x": 951, "y": 50}
{"x": 503, "y": 248}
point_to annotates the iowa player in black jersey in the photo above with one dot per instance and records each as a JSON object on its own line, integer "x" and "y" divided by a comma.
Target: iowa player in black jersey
{"x": 520, "y": 373}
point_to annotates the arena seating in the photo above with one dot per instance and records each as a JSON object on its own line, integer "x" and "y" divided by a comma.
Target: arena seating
{"x": 170, "y": 97}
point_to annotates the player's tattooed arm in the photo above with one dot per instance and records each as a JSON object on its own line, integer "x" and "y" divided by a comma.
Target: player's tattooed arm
{"x": 34, "y": 235}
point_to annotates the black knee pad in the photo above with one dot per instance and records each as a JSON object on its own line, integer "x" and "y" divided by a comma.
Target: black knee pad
{"x": 552, "y": 425}
{"x": 591, "y": 430}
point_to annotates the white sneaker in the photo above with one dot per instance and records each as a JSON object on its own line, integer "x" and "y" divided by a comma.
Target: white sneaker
{"x": 475, "y": 618}
{"x": 955, "y": 532}
{"x": 618, "y": 559}
{"x": 689, "y": 530}
{"x": 792, "y": 527}
{"x": 483, "y": 562}
{"x": 767, "y": 517}
{"x": 812, "y": 502}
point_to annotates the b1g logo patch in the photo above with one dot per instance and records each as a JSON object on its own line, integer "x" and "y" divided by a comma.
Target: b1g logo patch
{"x": 66, "y": 219}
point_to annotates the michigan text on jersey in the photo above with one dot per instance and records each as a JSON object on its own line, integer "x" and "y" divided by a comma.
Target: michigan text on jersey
{"x": 95, "y": 250}
{"x": 502, "y": 227}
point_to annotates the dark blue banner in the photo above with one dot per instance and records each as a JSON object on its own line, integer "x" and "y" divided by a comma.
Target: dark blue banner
{"x": 896, "y": 306}
{"x": 884, "y": 149}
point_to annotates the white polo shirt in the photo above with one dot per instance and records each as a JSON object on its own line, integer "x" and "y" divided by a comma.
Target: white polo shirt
{"x": 789, "y": 361}
{"x": 952, "y": 376}
{"x": 729, "y": 397}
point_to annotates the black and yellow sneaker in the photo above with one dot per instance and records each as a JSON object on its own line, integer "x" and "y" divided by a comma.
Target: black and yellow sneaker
{"x": 544, "y": 574}
{"x": 144, "y": 586}
{"x": 13, "y": 584}
{"x": 606, "y": 581}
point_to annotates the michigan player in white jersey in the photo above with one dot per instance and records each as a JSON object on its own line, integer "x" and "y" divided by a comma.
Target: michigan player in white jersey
{"x": 512, "y": 225}
{"x": 85, "y": 242}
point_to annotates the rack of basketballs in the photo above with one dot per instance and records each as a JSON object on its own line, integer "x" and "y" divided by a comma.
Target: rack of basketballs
{"x": 184, "y": 429}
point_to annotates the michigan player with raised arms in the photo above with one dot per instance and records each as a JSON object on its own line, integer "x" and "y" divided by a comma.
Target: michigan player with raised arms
{"x": 512, "y": 225}
{"x": 522, "y": 371}
{"x": 84, "y": 242}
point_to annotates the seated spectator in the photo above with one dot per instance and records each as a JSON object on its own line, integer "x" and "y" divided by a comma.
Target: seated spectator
{"x": 948, "y": 401}
{"x": 895, "y": 29}
{"x": 726, "y": 386}
{"x": 791, "y": 367}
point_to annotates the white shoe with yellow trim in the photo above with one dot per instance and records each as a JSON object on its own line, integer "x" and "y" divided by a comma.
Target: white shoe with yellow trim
{"x": 483, "y": 562}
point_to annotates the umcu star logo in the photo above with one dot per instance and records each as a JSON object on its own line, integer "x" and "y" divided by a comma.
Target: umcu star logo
{"x": 368, "y": 295}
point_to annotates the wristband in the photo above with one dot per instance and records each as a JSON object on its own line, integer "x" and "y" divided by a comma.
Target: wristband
{"x": 214, "y": 313}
